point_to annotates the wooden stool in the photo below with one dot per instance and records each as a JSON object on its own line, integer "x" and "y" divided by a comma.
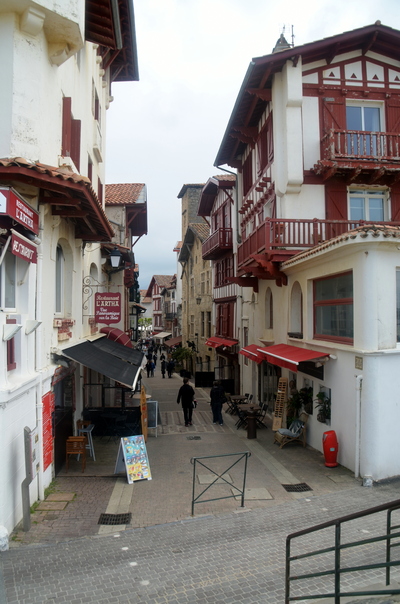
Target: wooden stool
{"x": 76, "y": 445}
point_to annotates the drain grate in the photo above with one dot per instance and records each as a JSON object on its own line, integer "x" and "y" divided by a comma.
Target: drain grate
{"x": 115, "y": 519}
{"x": 193, "y": 437}
{"x": 297, "y": 488}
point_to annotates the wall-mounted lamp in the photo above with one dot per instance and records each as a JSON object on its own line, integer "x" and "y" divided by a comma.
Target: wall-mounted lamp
{"x": 115, "y": 257}
{"x": 9, "y": 330}
{"x": 198, "y": 300}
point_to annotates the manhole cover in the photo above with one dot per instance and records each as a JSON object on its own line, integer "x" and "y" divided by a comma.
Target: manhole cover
{"x": 193, "y": 437}
{"x": 115, "y": 519}
{"x": 297, "y": 488}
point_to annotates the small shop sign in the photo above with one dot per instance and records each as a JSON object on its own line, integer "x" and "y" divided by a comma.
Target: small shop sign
{"x": 22, "y": 248}
{"x": 12, "y": 205}
{"x": 107, "y": 308}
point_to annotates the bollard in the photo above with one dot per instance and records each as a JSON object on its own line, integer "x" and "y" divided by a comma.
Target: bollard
{"x": 251, "y": 425}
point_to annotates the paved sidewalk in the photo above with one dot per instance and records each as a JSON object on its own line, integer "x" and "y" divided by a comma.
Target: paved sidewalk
{"x": 167, "y": 497}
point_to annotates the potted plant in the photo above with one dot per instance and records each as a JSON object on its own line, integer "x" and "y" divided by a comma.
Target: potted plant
{"x": 324, "y": 407}
{"x": 293, "y": 406}
{"x": 306, "y": 394}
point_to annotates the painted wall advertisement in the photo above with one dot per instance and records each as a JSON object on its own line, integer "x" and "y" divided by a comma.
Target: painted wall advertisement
{"x": 132, "y": 458}
{"x": 107, "y": 308}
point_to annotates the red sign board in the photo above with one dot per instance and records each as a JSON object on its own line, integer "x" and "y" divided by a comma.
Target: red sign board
{"x": 107, "y": 308}
{"x": 14, "y": 206}
{"x": 21, "y": 248}
{"x": 48, "y": 410}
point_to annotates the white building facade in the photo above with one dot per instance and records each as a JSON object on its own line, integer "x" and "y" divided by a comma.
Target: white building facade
{"x": 56, "y": 88}
{"x": 314, "y": 135}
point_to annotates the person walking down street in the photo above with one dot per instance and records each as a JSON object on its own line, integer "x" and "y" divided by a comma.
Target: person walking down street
{"x": 155, "y": 359}
{"x": 186, "y": 395}
{"x": 152, "y": 368}
{"x": 148, "y": 368}
{"x": 163, "y": 367}
{"x": 218, "y": 398}
{"x": 170, "y": 368}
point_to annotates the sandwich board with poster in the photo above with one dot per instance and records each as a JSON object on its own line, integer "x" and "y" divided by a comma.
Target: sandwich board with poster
{"x": 132, "y": 459}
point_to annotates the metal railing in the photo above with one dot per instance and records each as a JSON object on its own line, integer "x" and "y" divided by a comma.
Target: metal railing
{"x": 219, "y": 477}
{"x": 336, "y": 569}
{"x": 357, "y": 144}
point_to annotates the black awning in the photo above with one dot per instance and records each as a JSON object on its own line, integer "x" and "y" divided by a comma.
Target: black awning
{"x": 117, "y": 362}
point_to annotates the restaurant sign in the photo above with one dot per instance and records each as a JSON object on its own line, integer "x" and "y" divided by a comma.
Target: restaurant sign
{"x": 12, "y": 205}
{"x": 107, "y": 308}
{"x": 22, "y": 248}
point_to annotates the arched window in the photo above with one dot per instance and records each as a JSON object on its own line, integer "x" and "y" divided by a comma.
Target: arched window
{"x": 269, "y": 310}
{"x": 60, "y": 261}
{"x": 296, "y": 311}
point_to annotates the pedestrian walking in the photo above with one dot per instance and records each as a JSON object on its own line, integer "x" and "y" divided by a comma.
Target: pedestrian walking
{"x": 155, "y": 358}
{"x": 170, "y": 368}
{"x": 186, "y": 395}
{"x": 152, "y": 368}
{"x": 148, "y": 368}
{"x": 218, "y": 398}
{"x": 163, "y": 367}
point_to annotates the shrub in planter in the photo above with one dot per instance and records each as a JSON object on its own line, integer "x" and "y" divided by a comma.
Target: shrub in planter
{"x": 323, "y": 404}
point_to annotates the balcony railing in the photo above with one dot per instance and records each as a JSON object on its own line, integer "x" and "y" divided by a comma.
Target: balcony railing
{"x": 219, "y": 242}
{"x": 170, "y": 316}
{"x": 354, "y": 144}
{"x": 280, "y": 234}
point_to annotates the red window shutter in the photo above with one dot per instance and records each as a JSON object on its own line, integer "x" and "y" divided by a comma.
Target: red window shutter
{"x": 76, "y": 142}
{"x": 247, "y": 174}
{"x": 66, "y": 127}
{"x": 393, "y": 115}
{"x": 336, "y": 201}
{"x": 333, "y": 114}
{"x": 395, "y": 203}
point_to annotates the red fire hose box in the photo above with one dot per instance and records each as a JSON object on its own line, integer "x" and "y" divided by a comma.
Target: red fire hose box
{"x": 331, "y": 445}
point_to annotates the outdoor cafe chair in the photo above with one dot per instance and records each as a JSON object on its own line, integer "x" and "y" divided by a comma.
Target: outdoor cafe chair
{"x": 295, "y": 433}
{"x": 76, "y": 445}
{"x": 261, "y": 416}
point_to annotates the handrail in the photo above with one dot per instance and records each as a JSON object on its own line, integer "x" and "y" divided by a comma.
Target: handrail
{"x": 337, "y": 547}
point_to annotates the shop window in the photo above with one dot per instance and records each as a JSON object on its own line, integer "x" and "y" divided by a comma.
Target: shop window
{"x": 333, "y": 308}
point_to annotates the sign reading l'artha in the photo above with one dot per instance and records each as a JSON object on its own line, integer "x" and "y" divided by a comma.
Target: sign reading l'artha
{"x": 12, "y": 205}
{"x": 107, "y": 308}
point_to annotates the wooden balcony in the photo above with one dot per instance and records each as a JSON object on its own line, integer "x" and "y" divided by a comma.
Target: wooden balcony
{"x": 357, "y": 145}
{"x": 217, "y": 244}
{"x": 281, "y": 238}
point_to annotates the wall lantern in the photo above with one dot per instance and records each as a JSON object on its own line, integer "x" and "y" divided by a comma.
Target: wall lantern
{"x": 115, "y": 257}
{"x": 198, "y": 300}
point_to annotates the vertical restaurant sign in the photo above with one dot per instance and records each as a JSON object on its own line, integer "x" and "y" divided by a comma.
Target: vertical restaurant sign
{"x": 107, "y": 308}
{"x": 14, "y": 206}
{"x": 23, "y": 249}
{"x": 48, "y": 410}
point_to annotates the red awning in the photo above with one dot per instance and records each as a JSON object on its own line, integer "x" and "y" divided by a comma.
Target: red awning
{"x": 215, "y": 342}
{"x": 173, "y": 341}
{"x": 117, "y": 335}
{"x": 252, "y": 353}
{"x": 289, "y": 357}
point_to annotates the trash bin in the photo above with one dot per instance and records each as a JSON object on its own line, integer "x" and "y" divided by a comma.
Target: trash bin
{"x": 251, "y": 425}
{"x": 330, "y": 445}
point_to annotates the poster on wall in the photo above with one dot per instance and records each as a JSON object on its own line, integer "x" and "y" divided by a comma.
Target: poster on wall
{"x": 132, "y": 458}
{"x": 48, "y": 410}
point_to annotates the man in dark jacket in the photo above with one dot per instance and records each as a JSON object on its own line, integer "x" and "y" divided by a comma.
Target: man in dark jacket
{"x": 218, "y": 398}
{"x": 186, "y": 395}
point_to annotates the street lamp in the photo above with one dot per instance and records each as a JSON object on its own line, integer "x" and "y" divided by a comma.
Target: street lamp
{"x": 115, "y": 257}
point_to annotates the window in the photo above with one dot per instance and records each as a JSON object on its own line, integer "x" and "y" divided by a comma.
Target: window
{"x": 191, "y": 326}
{"x": 202, "y": 324}
{"x": 247, "y": 174}
{"x": 208, "y": 334}
{"x": 296, "y": 311}
{"x": 8, "y": 281}
{"x": 192, "y": 287}
{"x": 11, "y": 359}
{"x": 368, "y": 205}
{"x": 333, "y": 308}
{"x": 265, "y": 147}
{"x": 269, "y": 311}
{"x": 202, "y": 283}
{"x": 59, "y": 279}
{"x": 363, "y": 117}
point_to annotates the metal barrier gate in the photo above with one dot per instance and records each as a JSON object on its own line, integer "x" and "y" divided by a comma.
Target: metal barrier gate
{"x": 199, "y": 460}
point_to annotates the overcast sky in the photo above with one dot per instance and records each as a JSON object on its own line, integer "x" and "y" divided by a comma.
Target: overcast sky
{"x": 166, "y": 129}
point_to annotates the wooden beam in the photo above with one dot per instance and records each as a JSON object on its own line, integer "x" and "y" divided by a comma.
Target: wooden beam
{"x": 61, "y": 201}
{"x": 370, "y": 43}
{"x": 262, "y": 93}
{"x": 353, "y": 175}
{"x": 377, "y": 174}
{"x": 69, "y": 212}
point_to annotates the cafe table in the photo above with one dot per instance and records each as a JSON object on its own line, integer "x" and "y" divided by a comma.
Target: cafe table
{"x": 238, "y": 398}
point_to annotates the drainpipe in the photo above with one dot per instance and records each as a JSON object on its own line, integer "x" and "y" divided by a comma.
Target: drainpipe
{"x": 38, "y": 350}
{"x": 359, "y": 379}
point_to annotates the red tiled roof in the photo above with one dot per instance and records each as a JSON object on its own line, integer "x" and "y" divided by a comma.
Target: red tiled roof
{"x": 124, "y": 194}
{"x": 58, "y": 180}
{"x": 202, "y": 230}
